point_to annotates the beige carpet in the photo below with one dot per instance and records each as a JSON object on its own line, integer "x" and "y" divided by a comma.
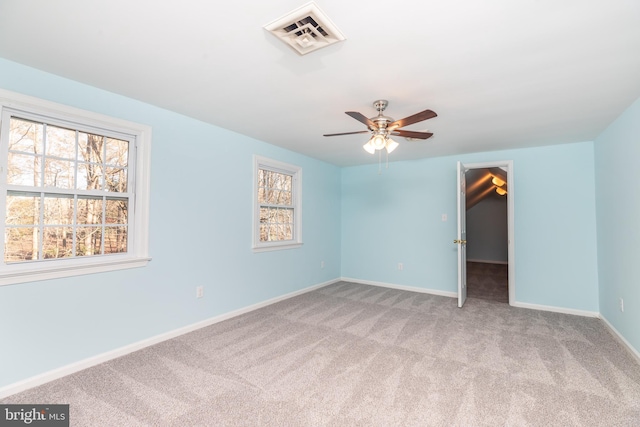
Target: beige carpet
{"x": 351, "y": 354}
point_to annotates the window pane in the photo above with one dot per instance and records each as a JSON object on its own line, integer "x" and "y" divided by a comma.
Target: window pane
{"x": 285, "y": 216}
{"x": 21, "y": 244}
{"x": 116, "y": 179}
{"x": 88, "y": 241}
{"x": 272, "y": 177}
{"x": 58, "y": 173}
{"x": 286, "y": 185}
{"x": 264, "y": 232}
{"x": 264, "y": 215}
{"x": 90, "y": 147}
{"x": 288, "y": 216}
{"x": 274, "y": 188}
{"x": 273, "y": 215}
{"x": 58, "y": 209}
{"x": 115, "y": 240}
{"x": 268, "y": 177}
{"x": 273, "y": 232}
{"x": 89, "y": 210}
{"x": 285, "y": 198}
{"x": 25, "y": 136}
{"x": 279, "y": 181}
{"x": 90, "y": 176}
{"x": 61, "y": 142}
{"x": 117, "y": 211}
{"x": 117, "y": 152}
{"x": 272, "y": 196}
{"x": 23, "y": 209}
{"x": 24, "y": 170}
{"x": 58, "y": 242}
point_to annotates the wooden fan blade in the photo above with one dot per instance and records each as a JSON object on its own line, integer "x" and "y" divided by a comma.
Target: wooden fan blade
{"x": 346, "y": 133}
{"x": 423, "y": 115}
{"x": 412, "y": 134}
{"x": 362, "y": 119}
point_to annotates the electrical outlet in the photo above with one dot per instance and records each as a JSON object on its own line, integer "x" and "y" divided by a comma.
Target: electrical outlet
{"x": 621, "y": 305}
{"x": 321, "y": 264}
{"x": 199, "y": 291}
{"x": 400, "y": 266}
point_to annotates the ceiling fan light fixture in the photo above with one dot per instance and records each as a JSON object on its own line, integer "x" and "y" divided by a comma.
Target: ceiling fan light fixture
{"x": 381, "y": 127}
{"x": 369, "y": 148}
{"x": 378, "y": 141}
{"x": 391, "y": 145}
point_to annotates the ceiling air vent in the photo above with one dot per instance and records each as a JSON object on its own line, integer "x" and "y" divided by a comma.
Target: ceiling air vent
{"x": 305, "y": 29}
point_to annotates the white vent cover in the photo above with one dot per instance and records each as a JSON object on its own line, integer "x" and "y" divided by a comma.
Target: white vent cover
{"x": 305, "y": 29}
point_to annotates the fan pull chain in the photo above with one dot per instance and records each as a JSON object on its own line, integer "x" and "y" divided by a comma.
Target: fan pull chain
{"x": 379, "y": 162}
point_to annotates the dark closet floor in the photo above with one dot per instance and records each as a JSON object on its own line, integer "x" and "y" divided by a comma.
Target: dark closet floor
{"x": 488, "y": 281}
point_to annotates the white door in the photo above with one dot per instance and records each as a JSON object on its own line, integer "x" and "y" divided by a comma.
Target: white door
{"x": 461, "y": 241}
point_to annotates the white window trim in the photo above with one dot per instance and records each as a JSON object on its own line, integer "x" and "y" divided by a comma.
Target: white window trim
{"x": 138, "y": 255}
{"x": 296, "y": 171}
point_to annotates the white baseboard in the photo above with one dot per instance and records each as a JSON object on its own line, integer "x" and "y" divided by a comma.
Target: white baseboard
{"x": 122, "y": 351}
{"x": 554, "y": 309}
{"x": 402, "y": 287}
{"x": 635, "y": 353}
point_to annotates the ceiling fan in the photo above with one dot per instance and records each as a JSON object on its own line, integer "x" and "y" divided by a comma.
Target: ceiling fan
{"x": 382, "y": 127}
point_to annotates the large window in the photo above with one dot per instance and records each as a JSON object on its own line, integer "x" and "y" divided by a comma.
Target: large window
{"x": 277, "y": 205}
{"x": 73, "y": 192}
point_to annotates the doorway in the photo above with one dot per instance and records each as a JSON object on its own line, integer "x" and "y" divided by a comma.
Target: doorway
{"x": 486, "y": 272}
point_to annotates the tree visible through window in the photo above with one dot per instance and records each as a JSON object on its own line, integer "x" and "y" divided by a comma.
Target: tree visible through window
{"x": 276, "y": 208}
{"x": 277, "y": 205}
{"x": 67, "y": 192}
{"x": 74, "y": 191}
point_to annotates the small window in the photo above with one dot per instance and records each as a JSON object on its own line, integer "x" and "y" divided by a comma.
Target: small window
{"x": 277, "y": 205}
{"x": 69, "y": 188}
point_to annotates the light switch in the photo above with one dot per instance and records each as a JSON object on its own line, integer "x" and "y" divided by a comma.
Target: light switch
{"x": 444, "y": 217}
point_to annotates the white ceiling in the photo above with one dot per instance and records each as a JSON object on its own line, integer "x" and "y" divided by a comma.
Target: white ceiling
{"x": 499, "y": 73}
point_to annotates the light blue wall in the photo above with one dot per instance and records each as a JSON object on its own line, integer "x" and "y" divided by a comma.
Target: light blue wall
{"x": 396, "y": 217}
{"x": 200, "y": 227}
{"x": 617, "y": 151}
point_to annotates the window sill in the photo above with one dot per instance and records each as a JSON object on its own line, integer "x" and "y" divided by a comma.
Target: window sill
{"x": 45, "y": 270}
{"x": 276, "y": 247}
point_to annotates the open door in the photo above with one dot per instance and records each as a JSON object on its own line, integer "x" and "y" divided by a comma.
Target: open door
{"x": 461, "y": 241}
